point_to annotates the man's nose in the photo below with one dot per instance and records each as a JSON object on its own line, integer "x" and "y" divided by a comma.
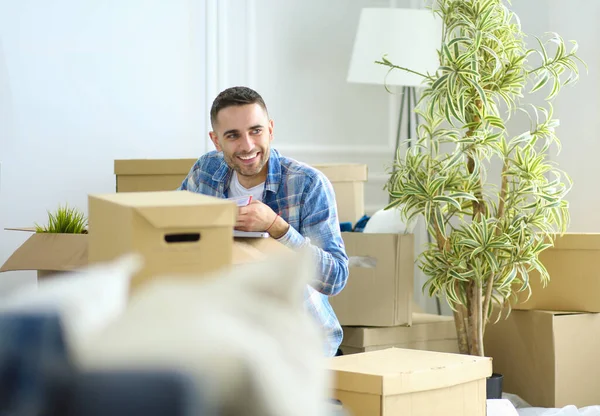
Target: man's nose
{"x": 246, "y": 143}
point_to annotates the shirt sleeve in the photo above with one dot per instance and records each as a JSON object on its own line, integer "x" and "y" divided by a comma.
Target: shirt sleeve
{"x": 190, "y": 182}
{"x": 320, "y": 229}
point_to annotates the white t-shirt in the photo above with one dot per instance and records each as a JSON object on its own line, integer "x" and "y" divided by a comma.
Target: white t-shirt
{"x": 237, "y": 189}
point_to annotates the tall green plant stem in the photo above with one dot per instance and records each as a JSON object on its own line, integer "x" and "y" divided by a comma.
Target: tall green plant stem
{"x": 475, "y": 288}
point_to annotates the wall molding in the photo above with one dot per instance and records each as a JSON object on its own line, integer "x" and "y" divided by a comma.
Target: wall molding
{"x": 251, "y": 43}
{"x": 212, "y": 61}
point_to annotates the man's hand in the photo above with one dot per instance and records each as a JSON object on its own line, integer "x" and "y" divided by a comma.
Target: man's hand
{"x": 260, "y": 217}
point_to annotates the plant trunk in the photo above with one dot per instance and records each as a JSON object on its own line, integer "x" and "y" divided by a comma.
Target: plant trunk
{"x": 487, "y": 300}
{"x": 475, "y": 319}
{"x": 461, "y": 330}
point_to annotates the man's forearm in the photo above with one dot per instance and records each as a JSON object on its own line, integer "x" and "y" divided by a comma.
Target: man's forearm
{"x": 279, "y": 228}
{"x": 332, "y": 266}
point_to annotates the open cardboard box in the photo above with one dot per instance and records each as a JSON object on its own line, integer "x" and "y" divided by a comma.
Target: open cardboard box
{"x": 379, "y": 290}
{"x": 548, "y": 358}
{"x": 428, "y": 332}
{"x": 409, "y": 382}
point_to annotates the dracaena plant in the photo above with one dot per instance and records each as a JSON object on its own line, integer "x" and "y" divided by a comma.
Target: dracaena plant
{"x": 486, "y": 237}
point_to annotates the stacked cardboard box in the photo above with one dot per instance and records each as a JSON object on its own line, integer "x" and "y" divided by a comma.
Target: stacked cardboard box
{"x": 376, "y": 308}
{"x": 547, "y": 349}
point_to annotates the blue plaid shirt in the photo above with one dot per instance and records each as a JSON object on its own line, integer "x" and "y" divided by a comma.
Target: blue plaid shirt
{"x": 304, "y": 198}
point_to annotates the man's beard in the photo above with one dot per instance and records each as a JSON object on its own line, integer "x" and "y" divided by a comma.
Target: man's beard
{"x": 236, "y": 165}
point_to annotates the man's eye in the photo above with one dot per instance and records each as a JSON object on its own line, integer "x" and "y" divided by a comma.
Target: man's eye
{"x": 232, "y": 136}
{"x": 257, "y": 131}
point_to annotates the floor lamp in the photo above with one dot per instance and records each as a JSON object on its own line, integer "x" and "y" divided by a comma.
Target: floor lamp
{"x": 409, "y": 38}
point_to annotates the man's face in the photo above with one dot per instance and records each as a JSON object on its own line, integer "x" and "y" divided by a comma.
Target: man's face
{"x": 244, "y": 133}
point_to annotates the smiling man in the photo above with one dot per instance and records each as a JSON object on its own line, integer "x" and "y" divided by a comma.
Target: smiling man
{"x": 292, "y": 201}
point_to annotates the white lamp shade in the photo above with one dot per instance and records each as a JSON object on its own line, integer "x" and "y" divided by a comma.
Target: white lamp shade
{"x": 409, "y": 37}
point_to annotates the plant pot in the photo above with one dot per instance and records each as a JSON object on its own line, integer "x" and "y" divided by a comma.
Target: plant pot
{"x": 494, "y": 386}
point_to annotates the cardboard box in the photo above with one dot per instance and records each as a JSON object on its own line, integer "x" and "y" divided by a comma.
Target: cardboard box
{"x": 143, "y": 175}
{"x": 428, "y": 332}
{"x": 380, "y": 285}
{"x": 411, "y": 383}
{"x": 177, "y": 232}
{"x": 348, "y": 182}
{"x": 574, "y": 267}
{"x": 550, "y": 359}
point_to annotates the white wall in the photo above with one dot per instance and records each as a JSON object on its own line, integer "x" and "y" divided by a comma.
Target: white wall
{"x": 578, "y": 109}
{"x": 84, "y": 74}
{"x": 84, "y": 82}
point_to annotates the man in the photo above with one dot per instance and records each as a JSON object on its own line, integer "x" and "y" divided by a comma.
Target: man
{"x": 293, "y": 202}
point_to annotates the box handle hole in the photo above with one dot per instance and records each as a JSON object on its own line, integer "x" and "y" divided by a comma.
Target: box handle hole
{"x": 182, "y": 238}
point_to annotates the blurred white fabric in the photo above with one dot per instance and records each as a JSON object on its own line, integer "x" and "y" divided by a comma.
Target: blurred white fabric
{"x": 525, "y": 409}
{"x": 87, "y": 299}
{"x": 564, "y": 411}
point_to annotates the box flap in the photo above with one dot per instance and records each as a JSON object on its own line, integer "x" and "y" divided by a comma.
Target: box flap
{"x": 26, "y": 229}
{"x": 177, "y": 209}
{"x": 153, "y": 166}
{"x": 399, "y": 371}
{"x": 425, "y": 327}
{"x": 343, "y": 172}
{"x": 47, "y": 251}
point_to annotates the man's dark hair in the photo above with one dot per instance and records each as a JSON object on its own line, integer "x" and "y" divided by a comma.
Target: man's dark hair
{"x": 234, "y": 96}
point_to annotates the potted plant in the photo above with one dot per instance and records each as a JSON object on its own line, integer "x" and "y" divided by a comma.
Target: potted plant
{"x": 486, "y": 236}
{"x": 66, "y": 220}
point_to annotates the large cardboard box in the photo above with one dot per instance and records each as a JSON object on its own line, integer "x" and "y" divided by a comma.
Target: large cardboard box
{"x": 550, "y": 359}
{"x": 143, "y": 175}
{"x": 574, "y": 267}
{"x": 428, "y": 332}
{"x": 411, "y": 383}
{"x": 348, "y": 180}
{"x": 379, "y": 290}
{"x": 177, "y": 232}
